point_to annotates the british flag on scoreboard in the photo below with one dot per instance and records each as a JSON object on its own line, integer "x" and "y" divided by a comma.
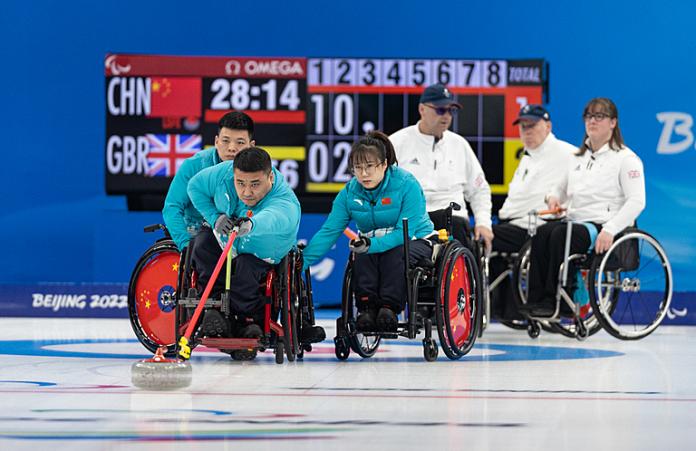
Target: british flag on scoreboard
{"x": 167, "y": 152}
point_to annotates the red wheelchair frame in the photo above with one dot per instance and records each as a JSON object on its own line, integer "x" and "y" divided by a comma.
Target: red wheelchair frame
{"x": 162, "y": 296}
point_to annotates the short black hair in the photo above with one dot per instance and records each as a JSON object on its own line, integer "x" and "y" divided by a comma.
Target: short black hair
{"x": 236, "y": 120}
{"x": 253, "y": 159}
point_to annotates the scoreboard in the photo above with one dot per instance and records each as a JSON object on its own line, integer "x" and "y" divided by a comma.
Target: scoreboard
{"x": 308, "y": 111}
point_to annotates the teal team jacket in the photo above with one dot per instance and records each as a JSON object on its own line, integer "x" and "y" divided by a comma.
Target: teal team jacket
{"x": 378, "y": 211}
{"x": 276, "y": 218}
{"x": 180, "y": 216}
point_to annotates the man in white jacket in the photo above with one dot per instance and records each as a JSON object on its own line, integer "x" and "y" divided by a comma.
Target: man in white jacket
{"x": 542, "y": 166}
{"x": 445, "y": 165}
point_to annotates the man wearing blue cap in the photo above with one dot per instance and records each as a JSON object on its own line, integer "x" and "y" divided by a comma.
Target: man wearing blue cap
{"x": 542, "y": 166}
{"x": 445, "y": 165}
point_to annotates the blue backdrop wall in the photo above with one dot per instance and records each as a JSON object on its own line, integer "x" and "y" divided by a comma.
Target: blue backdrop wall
{"x": 58, "y": 226}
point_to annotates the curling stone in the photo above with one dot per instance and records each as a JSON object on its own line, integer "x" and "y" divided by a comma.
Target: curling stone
{"x": 161, "y": 373}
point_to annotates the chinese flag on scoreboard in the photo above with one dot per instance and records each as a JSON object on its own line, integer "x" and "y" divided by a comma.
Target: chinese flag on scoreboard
{"x": 175, "y": 97}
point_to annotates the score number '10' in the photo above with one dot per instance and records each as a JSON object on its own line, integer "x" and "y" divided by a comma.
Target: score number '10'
{"x": 320, "y": 159}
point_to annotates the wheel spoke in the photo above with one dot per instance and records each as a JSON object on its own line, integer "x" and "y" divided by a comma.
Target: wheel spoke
{"x": 634, "y": 302}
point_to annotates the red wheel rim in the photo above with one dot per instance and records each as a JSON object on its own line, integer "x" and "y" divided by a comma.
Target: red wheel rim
{"x": 288, "y": 297}
{"x": 155, "y": 293}
{"x": 457, "y": 302}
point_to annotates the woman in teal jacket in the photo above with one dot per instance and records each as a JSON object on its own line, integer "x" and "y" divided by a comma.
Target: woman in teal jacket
{"x": 376, "y": 199}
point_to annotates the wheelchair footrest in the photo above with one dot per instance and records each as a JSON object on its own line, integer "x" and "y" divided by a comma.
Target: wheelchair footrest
{"x": 232, "y": 343}
{"x": 193, "y": 302}
{"x": 552, "y": 318}
{"x": 388, "y": 336}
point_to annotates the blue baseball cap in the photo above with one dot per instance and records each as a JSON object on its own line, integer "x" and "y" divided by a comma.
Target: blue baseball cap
{"x": 532, "y": 113}
{"x": 438, "y": 95}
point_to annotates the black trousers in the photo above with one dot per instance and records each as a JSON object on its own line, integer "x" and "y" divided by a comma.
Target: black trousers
{"x": 460, "y": 226}
{"x": 247, "y": 274}
{"x": 508, "y": 238}
{"x": 548, "y": 250}
{"x": 378, "y": 279}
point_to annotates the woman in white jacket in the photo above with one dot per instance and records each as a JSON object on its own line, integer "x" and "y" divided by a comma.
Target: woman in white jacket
{"x": 604, "y": 192}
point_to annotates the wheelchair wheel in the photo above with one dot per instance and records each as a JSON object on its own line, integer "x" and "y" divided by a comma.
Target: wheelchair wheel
{"x": 520, "y": 274}
{"x": 152, "y": 296}
{"x": 364, "y": 345}
{"x": 632, "y": 286}
{"x": 430, "y": 350}
{"x": 288, "y": 308}
{"x": 457, "y": 302}
{"x": 304, "y": 304}
{"x": 299, "y": 303}
{"x": 517, "y": 324}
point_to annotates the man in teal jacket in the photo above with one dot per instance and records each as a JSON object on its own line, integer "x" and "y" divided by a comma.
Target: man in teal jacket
{"x": 235, "y": 132}
{"x": 251, "y": 194}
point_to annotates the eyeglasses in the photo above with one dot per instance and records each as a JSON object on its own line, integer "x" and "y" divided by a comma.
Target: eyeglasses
{"x": 596, "y": 116}
{"x": 441, "y": 110}
{"x": 368, "y": 168}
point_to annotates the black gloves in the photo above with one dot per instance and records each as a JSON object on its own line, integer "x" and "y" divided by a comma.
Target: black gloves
{"x": 244, "y": 225}
{"x": 225, "y": 224}
{"x": 359, "y": 245}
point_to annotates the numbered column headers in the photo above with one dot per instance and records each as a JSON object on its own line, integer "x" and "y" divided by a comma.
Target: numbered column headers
{"x": 419, "y": 73}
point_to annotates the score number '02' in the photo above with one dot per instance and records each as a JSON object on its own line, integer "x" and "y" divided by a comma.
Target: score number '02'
{"x": 241, "y": 94}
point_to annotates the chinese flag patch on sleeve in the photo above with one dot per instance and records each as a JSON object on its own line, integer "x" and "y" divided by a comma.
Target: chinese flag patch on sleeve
{"x": 386, "y": 201}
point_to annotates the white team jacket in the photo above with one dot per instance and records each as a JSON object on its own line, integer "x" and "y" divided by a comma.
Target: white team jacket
{"x": 539, "y": 170}
{"x": 606, "y": 187}
{"x": 447, "y": 170}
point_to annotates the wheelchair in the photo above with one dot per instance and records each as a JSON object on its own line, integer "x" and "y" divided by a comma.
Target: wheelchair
{"x": 629, "y": 288}
{"x": 516, "y": 269}
{"x": 510, "y": 261}
{"x": 163, "y": 294}
{"x": 443, "y": 290}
